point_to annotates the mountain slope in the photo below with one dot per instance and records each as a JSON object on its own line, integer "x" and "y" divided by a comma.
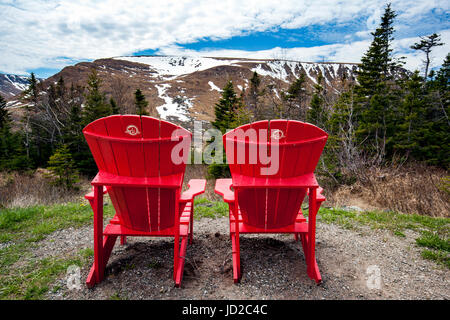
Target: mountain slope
{"x": 11, "y": 85}
{"x": 185, "y": 88}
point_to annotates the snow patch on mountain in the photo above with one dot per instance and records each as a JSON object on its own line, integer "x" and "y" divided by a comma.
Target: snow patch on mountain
{"x": 177, "y": 107}
{"x": 10, "y": 84}
{"x": 214, "y": 87}
{"x": 172, "y": 67}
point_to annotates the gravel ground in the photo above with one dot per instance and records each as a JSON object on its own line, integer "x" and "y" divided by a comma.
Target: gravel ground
{"x": 273, "y": 266}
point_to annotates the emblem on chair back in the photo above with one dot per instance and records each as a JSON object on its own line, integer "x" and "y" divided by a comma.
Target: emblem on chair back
{"x": 277, "y": 134}
{"x": 132, "y": 130}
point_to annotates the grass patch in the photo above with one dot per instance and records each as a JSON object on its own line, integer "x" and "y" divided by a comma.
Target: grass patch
{"x": 204, "y": 208}
{"x": 21, "y": 229}
{"x": 438, "y": 247}
{"x": 116, "y": 296}
{"x": 34, "y": 223}
{"x": 393, "y": 221}
{"x": 437, "y": 256}
{"x": 32, "y": 281}
{"x": 434, "y": 232}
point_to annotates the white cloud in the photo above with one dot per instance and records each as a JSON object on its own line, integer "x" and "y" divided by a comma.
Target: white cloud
{"x": 38, "y": 33}
{"x": 346, "y": 52}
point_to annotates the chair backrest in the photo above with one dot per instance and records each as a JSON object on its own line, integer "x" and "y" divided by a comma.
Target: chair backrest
{"x": 299, "y": 146}
{"x": 139, "y": 146}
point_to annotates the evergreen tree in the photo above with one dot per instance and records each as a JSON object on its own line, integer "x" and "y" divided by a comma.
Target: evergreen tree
{"x": 12, "y": 154}
{"x": 31, "y": 95}
{"x": 412, "y": 115}
{"x": 253, "y": 96}
{"x": 62, "y": 166}
{"x": 140, "y": 103}
{"x": 225, "y": 109}
{"x": 377, "y": 64}
{"x": 32, "y": 92}
{"x": 4, "y": 114}
{"x": 295, "y": 100}
{"x": 96, "y": 105}
{"x": 434, "y": 143}
{"x": 317, "y": 114}
{"x": 229, "y": 111}
{"x": 426, "y": 44}
{"x": 376, "y": 94}
{"x": 114, "y": 107}
{"x": 5, "y": 134}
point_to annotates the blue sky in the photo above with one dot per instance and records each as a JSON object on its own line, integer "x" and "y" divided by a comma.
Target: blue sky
{"x": 44, "y": 36}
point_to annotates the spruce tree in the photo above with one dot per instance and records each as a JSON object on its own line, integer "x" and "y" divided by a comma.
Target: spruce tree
{"x": 12, "y": 154}
{"x": 4, "y": 114}
{"x": 31, "y": 99}
{"x": 426, "y": 44}
{"x": 435, "y": 140}
{"x": 114, "y": 107}
{"x": 229, "y": 112}
{"x": 140, "y": 103}
{"x": 376, "y": 94}
{"x": 254, "y": 95}
{"x": 317, "y": 114}
{"x": 5, "y": 134}
{"x": 412, "y": 114}
{"x": 225, "y": 109}
{"x": 294, "y": 99}
{"x": 62, "y": 167}
{"x": 96, "y": 105}
{"x": 377, "y": 64}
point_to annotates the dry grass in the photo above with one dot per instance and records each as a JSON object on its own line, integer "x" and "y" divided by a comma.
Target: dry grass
{"x": 411, "y": 189}
{"x": 19, "y": 190}
{"x": 414, "y": 189}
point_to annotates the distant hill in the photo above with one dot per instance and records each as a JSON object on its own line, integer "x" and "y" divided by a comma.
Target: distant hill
{"x": 184, "y": 88}
{"x": 11, "y": 85}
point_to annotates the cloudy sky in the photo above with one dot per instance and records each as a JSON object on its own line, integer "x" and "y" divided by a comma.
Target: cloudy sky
{"x": 44, "y": 36}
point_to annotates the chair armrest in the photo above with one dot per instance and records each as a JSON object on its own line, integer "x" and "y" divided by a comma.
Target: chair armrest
{"x": 223, "y": 187}
{"x": 319, "y": 196}
{"x": 196, "y": 187}
{"x": 90, "y": 195}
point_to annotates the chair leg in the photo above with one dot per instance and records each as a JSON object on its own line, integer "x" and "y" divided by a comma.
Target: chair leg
{"x": 236, "y": 250}
{"x": 191, "y": 230}
{"x": 123, "y": 240}
{"x": 181, "y": 260}
{"x": 97, "y": 271}
{"x": 176, "y": 250}
{"x": 236, "y": 258}
{"x": 103, "y": 245}
{"x": 312, "y": 268}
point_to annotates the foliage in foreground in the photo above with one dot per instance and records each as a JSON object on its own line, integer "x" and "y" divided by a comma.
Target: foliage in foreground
{"x": 21, "y": 275}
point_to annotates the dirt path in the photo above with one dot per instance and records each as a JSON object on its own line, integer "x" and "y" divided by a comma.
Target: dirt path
{"x": 273, "y": 266}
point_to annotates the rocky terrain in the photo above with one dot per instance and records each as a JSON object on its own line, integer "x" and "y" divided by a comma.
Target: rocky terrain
{"x": 273, "y": 266}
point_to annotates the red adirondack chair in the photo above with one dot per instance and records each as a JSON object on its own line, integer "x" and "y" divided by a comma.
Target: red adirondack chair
{"x": 133, "y": 155}
{"x": 261, "y": 203}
